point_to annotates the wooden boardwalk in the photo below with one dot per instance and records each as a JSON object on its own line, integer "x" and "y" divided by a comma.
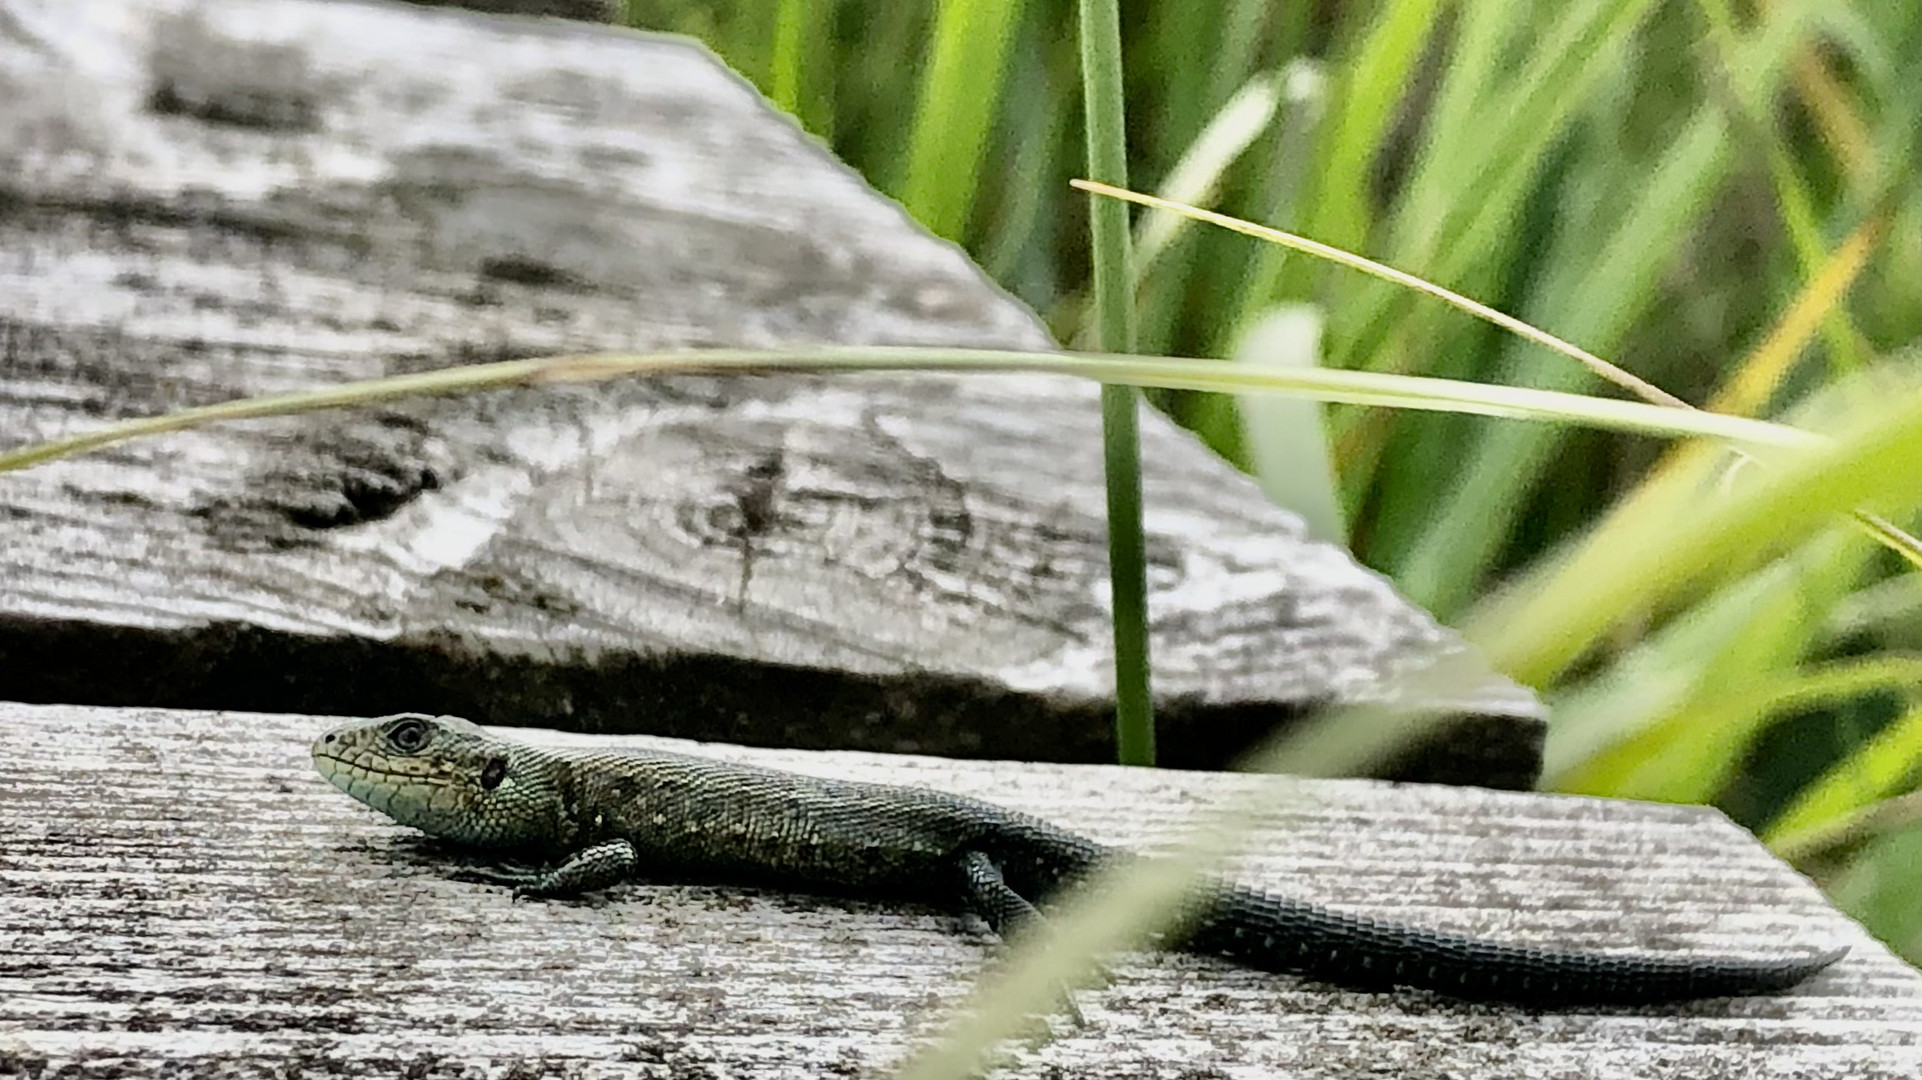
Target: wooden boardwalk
{"x": 182, "y": 895}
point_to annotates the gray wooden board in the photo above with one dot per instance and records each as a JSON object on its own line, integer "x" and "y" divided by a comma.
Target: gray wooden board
{"x": 205, "y": 200}
{"x": 181, "y": 890}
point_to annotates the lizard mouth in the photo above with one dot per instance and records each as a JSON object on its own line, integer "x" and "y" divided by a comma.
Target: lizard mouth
{"x": 353, "y": 774}
{"x": 330, "y": 763}
{"x": 424, "y": 800}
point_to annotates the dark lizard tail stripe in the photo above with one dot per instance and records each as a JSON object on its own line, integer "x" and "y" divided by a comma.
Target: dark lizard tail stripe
{"x": 1276, "y": 934}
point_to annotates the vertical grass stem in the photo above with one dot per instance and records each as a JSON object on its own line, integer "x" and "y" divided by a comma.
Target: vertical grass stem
{"x": 1114, "y": 331}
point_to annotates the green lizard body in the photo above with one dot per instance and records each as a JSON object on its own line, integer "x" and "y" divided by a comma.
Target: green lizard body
{"x": 601, "y": 816}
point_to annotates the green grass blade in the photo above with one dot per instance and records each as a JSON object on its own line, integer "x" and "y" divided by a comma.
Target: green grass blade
{"x": 1674, "y": 535}
{"x": 1689, "y": 755}
{"x": 1898, "y": 813}
{"x": 1037, "y": 145}
{"x": 1645, "y": 390}
{"x": 1793, "y": 197}
{"x": 1242, "y": 26}
{"x": 802, "y": 49}
{"x": 1114, "y": 332}
{"x": 1498, "y": 161}
{"x": 1453, "y": 236}
{"x": 1880, "y": 769}
{"x": 1218, "y": 376}
{"x": 1196, "y": 177}
{"x": 1368, "y": 93}
{"x": 1287, "y": 441}
{"x": 1691, "y": 667}
{"x": 1164, "y": 253}
{"x": 1452, "y": 557}
{"x": 1256, "y": 277}
{"x": 791, "y": 18}
{"x": 1880, "y": 888}
{"x": 954, "y": 123}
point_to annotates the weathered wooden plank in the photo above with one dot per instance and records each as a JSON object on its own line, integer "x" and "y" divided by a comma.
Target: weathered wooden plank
{"x": 183, "y": 894}
{"x": 200, "y": 200}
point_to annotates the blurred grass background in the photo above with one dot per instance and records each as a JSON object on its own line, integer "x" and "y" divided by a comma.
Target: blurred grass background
{"x": 1719, "y": 195}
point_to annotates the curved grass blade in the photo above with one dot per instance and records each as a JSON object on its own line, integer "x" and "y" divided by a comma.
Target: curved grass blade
{"x": 1316, "y": 384}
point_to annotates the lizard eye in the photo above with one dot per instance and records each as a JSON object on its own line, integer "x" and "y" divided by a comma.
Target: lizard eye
{"x": 493, "y": 773}
{"x": 408, "y": 735}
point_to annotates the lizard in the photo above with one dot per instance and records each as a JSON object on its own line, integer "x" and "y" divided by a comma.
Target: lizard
{"x": 594, "y": 817}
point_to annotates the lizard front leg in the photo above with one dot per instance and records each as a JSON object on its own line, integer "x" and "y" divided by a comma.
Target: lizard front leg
{"x": 587, "y": 870}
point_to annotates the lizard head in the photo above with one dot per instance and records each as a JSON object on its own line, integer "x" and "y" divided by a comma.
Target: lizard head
{"x": 440, "y": 774}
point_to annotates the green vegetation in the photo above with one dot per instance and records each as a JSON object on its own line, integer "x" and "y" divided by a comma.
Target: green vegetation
{"x": 1722, "y": 200}
{"x": 1720, "y": 197}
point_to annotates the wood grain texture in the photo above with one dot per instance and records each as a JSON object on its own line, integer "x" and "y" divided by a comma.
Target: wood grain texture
{"x": 183, "y": 894}
{"x": 203, "y": 200}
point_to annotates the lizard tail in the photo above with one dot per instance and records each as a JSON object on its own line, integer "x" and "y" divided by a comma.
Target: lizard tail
{"x": 1276, "y": 934}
